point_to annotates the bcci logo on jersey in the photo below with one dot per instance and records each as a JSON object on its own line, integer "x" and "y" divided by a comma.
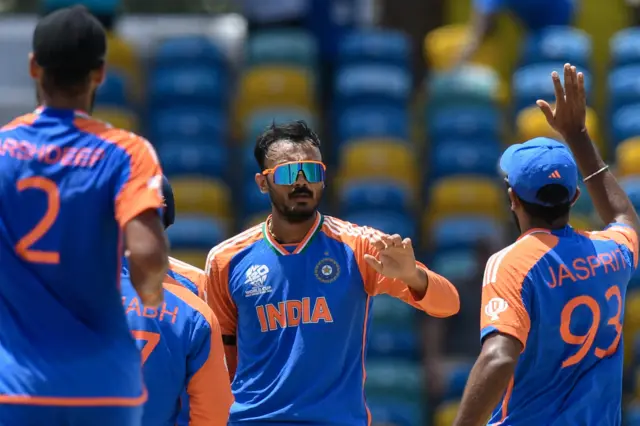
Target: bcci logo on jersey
{"x": 256, "y": 278}
{"x": 495, "y": 307}
{"x": 327, "y": 270}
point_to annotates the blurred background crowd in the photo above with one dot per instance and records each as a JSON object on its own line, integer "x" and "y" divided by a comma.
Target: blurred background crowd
{"x": 414, "y": 101}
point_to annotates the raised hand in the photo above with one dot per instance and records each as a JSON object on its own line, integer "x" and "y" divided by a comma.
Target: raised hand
{"x": 568, "y": 116}
{"x": 396, "y": 257}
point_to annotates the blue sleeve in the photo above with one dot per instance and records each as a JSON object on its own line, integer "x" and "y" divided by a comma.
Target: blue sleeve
{"x": 488, "y": 6}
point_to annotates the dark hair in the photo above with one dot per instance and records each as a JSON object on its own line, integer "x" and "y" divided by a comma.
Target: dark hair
{"x": 554, "y": 194}
{"x": 294, "y": 131}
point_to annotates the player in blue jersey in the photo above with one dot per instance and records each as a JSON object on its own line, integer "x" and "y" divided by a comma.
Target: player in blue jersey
{"x": 553, "y": 301}
{"x": 181, "y": 347}
{"x": 70, "y": 187}
{"x": 294, "y": 294}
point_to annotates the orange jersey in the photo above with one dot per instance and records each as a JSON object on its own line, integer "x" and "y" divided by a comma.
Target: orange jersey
{"x": 295, "y": 320}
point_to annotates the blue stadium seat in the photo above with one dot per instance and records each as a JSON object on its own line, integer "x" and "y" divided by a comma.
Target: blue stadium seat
{"x": 375, "y": 46}
{"x": 388, "y": 310}
{"x": 456, "y": 375}
{"x": 558, "y": 44}
{"x": 192, "y": 157}
{"x": 187, "y": 123}
{"x": 584, "y": 205}
{"x": 464, "y": 157}
{"x": 390, "y": 223}
{"x": 625, "y": 123}
{"x": 397, "y": 378}
{"x": 253, "y": 201}
{"x": 364, "y": 84}
{"x": 623, "y": 47}
{"x": 632, "y": 415}
{"x": 282, "y": 47}
{"x": 631, "y": 186}
{"x": 113, "y": 91}
{"x": 394, "y": 342}
{"x": 464, "y": 123}
{"x": 471, "y": 84}
{"x": 373, "y": 121}
{"x": 195, "y": 85}
{"x": 195, "y": 232}
{"x": 455, "y": 264}
{"x": 186, "y": 51}
{"x": 624, "y": 86}
{"x": 463, "y": 231}
{"x": 396, "y": 412}
{"x": 260, "y": 119}
{"x": 533, "y": 82}
{"x": 383, "y": 195}
{"x": 95, "y": 6}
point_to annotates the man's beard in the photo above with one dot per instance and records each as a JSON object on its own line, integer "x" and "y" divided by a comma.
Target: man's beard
{"x": 291, "y": 215}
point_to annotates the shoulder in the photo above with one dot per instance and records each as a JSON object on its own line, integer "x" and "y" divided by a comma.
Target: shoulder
{"x": 23, "y": 120}
{"x": 515, "y": 262}
{"x": 220, "y": 255}
{"x": 201, "y": 312}
{"x": 131, "y": 143}
{"x": 348, "y": 232}
{"x": 188, "y": 271}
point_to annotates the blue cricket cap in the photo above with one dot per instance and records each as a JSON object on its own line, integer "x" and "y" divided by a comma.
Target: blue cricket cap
{"x": 169, "y": 212}
{"x": 537, "y": 163}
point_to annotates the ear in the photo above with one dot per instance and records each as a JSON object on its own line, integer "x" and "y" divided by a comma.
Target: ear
{"x": 34, "y": 69}
{"x": 513, "y": 199}
{"x": 261, "y": 181}
{"x": 98, "y": 76}
{"x": 575, "y": 197}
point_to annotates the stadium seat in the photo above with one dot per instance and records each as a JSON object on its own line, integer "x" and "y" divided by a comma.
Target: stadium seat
{"x": 372, "y": 158}
{"x": 625, "y": 123}
{"x": 122, "y": 58}
{"x": 196, "y": 258}
{"x": 442, "y": 47}
{"x": 194, "y": 232}
{"x": 470, "y": 84}
{"x": 189, "y": 51}
{"x": 558, "y": 44}
{"x": 194, "y": 85}
{"x": 632, "y": 314}
{"x": 456, "y": 374}
{"x": 255, "y": 219}
{"x": 194, "y": 158}
{"x": 375, "y": 46}
{"x": 374, "y": 194}
{"x": 366, "y": 84}
{"x": 202, "y": 196}
{"x": 388, "y": 310}
{"x": 455, "y": 264}
{"x": 463, "y": 231}
{"x": 446, "y": 413}
{"x": 185, "y": 122}
{"x": 628, "y": 157}
{"x": 254, "y": 201}
{"x": 387, "y": 341}
{"x": 282, "y": 47}
{"x": 261, "y": 119}
{"x": 112, "y": 92}
{"x": 631, "y": 186}
{"x": 121, "y": 119}
{"x": 389, "y": 223}
{"x": 474, "y": 157}
{"x": 624, "y": 86}
{"x": 373, "y": 121}
{"x": 462, "y": 196}
{"x": 623, "y": 47}
{"x": 464, "y": 123}
{"x": 95, "y": 6}
{"x": 533, "y": 82}
{"x": 399, "y": 378}
{"x": 393, "y": 411}
{"x": 584, "y": 205}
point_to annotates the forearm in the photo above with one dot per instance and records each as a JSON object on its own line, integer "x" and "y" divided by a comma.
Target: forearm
{"x": 438, "y": 296}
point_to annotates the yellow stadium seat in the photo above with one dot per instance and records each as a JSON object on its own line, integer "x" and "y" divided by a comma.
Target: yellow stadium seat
{"x": 631, "y": 324}
{"x": 628, "y": 157}
{"x": 196, "y": 258}
{"x": 376, "y": 158}
{"x": 274, "y": 86}
{"x": 204, "y": 196}
{"x": 121, "y": 119}
{"x": 531, "y": 123}
{"x": 442, "y": 47}
{"x": 581, "y": 223}
{"x": 446, "y": 413}
{"x": 122, "y": 57}
{"x": 459, "y": 195}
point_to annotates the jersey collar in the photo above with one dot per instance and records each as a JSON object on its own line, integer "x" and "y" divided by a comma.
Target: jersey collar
{"x": 277, "y": 247}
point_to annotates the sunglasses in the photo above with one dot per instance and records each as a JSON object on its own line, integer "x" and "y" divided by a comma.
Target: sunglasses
{"x": 287, "y": 173}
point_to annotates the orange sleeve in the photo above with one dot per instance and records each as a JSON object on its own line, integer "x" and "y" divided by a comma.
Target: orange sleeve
{"x": 625, "y": 236}
{"x": 140, "y": 181}
{"x": 223, "y": 306}
{"x": 209, "y": 389}
{"x": 440, "y": 300}
{"x": 504, "y": 308}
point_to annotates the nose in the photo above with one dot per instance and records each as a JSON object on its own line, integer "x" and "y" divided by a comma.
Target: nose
{"x": 301, "y": 179}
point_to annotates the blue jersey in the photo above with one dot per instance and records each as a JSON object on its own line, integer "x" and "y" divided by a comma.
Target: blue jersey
{"x": 181, "y": 349}
{"x": 534, "y": 14}
{"x": 298, "y": 317}
{"x": 68, "y": 184}
{"x": 562, "y": 293}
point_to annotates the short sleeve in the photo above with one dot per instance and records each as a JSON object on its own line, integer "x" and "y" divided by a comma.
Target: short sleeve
{"x": 627, "y": 238}
{"x": 488, "y": 6}
{"x": 504, "y": 301}
{"x": 140, "y": 181}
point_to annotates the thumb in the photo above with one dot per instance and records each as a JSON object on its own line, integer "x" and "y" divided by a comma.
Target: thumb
{"x": 373, "y": 262}
{"x": 547, "y": 111}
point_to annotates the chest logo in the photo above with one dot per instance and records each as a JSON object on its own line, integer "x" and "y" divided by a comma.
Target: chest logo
{"x": 327, "y": 270}
{"x": 256, "y": 280}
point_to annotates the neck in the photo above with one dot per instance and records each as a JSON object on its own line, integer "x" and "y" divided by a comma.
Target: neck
{"x": 74, "y": 103}
{"x": 542, "y": 225}
{"x": 286, "y": 232}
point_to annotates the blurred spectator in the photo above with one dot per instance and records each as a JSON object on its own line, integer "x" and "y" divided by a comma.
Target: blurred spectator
{"x": 533, "y": 15}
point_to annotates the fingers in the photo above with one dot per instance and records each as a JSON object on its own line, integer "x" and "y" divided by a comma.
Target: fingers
{"x": 394, "y": 240}
{"x": 407, "y": 244}
{"x": 546, "y": 110}
{"x": 582, "y": 93}
{"x": 384, "y": 241}
{"x": 558, "y": 89}
{"x": 373, "y": 262}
